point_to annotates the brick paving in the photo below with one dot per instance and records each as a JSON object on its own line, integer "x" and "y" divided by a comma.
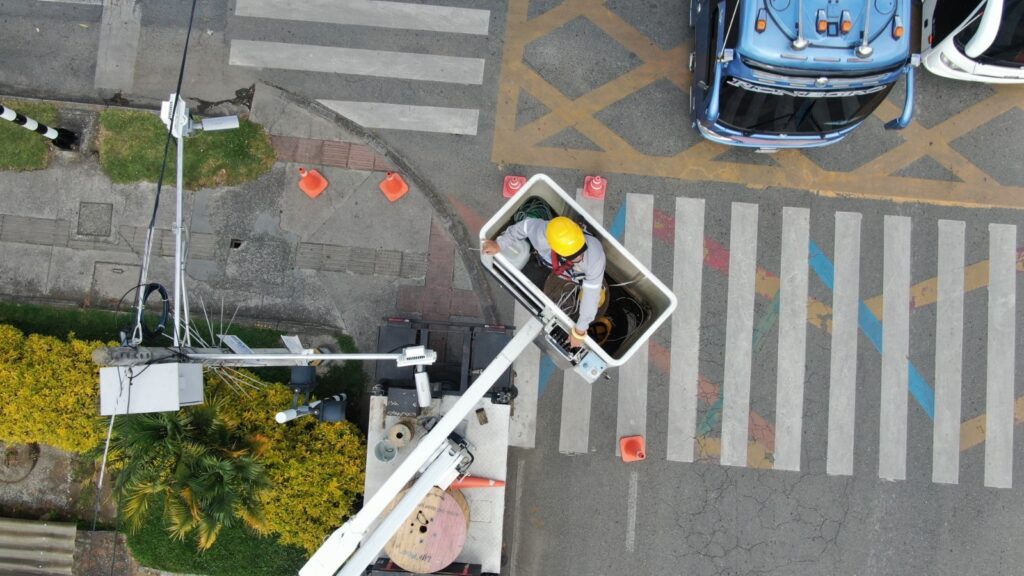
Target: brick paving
{"x": 437, "y": 299}
{"x": 329, "y": 153}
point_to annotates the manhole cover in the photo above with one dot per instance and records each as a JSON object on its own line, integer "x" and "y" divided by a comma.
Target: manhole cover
{"x": 17, "y": 461}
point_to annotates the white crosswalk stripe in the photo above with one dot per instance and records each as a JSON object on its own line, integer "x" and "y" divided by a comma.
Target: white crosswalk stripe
{"x": 402, "y": 117}
{"x": 949, "y": 337}
{"x": 789, "y": 401}
{"x": 120, "y": 29}
{"x": 686, "y": 282}
{"x": 387, "y": 17}
{"x": 522, "y": 428}
{"x": 577, "y": 397}
{"x": 1002, "y": 316}
{"x": 842, "y": 387}
{"x": 852, "y": 320}
{"x": 335, "y": 60}
{"x": 739, "y": 334}
{"x": 892, "y": 437}
{"x": 401, "y": 15}
{"x": 631, "y": 417}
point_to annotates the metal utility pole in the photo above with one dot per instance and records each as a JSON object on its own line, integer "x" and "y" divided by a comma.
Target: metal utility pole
{"x": 175, "y": 116}
{"x": 61, "y": 138}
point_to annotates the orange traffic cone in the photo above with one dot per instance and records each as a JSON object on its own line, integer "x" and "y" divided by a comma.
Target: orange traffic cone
{"x": 512, "y": 185}
{"x": 311, "y": 182}
{"x": 475, "y": 482}
{"x": 393, "y": 186}
{"x": 595, "y": 187}
{"x": 632, "y": 448}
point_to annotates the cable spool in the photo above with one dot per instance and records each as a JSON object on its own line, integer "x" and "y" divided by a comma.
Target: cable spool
{"x": 600, "y": 329}
{"x": 400, "y": 435}
{"x": 164, "y": 313}
{"x": 626, "y": 315}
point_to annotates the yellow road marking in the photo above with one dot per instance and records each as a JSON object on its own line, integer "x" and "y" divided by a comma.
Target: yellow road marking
{"x": 709, "y": 447}
{"x": 920, "y": 141}
{"x": 874, "y": 180}
{"x": 972, "y": 432}
{"x": 924, "y": 293}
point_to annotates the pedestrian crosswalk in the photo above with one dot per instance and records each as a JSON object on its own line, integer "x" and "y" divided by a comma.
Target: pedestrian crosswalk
{"x": 886, "y": 257}
{"x": 385, "y": 110}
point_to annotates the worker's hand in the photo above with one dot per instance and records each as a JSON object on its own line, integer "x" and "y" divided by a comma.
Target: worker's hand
{"x": 490, "y": 247}
{"x": 574, "y": 340}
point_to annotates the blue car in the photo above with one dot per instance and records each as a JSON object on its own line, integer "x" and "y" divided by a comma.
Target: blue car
{"x": 773, "y": 74}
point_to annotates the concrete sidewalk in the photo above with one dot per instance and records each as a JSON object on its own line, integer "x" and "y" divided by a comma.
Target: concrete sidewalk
{"x": 264, "y": 249}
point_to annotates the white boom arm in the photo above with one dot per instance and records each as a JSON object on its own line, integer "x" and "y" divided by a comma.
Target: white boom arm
{"x": 438, "y": 459}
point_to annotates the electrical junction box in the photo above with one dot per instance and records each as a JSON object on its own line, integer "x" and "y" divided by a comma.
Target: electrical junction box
{"x": 150, "y": 388}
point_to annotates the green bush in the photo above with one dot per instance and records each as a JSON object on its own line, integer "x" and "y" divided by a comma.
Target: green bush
{"x": 49, "y": 391}
{"x": 238, "y": 552}
{"x": 50, "y": 395}
{"x": 22, "y": 149}
{"x": 198, "y": 464}
{"x": 97, "y": 324}
{"x": 132, "y": 150}
{"x": 316, "y": 469}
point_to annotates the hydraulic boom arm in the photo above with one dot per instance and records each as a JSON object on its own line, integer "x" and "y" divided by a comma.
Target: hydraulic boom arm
{"x": 436, "y": 457}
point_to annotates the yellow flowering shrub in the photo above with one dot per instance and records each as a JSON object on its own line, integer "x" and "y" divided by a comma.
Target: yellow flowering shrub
{"x": 316, "y": 469}
{"x": 49, "y": 391}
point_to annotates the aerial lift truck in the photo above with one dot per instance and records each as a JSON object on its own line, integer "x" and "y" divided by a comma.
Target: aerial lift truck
{"x": 640, "y": 305}
{"x": 442, "y": 455}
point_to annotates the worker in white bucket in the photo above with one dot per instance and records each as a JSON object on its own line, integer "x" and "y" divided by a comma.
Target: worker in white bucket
{"x": 577, "y": 262}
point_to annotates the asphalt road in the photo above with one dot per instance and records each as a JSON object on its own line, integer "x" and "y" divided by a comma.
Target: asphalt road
{"x": 574, "y": 88}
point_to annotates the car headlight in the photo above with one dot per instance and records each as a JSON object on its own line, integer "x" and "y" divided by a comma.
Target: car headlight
{"x": 946, "y": 61}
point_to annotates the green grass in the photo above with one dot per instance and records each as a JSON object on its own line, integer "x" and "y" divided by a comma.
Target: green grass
{"x": 237, "y": 552}
{"x": 103, "y": 325}
{"x": 132, "y": 149}
{"x": 21, "y": 149}
{"x": 59, "y": 322}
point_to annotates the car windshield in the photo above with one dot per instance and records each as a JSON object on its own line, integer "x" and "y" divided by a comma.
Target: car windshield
{"x": 750, "y": 108}
{"x": 1008, "y": 47}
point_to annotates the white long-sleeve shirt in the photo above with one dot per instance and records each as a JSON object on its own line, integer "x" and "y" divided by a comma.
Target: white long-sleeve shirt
{"x": 588, "y": 272}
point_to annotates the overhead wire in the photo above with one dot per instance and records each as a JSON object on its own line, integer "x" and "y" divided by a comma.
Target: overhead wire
{"x": 147, "y": 250}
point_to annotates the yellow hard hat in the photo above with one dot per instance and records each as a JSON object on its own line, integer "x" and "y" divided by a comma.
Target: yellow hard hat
{"x": 565, "y": 237}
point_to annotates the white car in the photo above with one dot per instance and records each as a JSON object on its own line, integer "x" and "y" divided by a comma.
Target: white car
{"x": 981, "y": 41}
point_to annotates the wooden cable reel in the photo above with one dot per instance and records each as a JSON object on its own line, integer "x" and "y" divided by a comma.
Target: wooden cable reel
{"x": 432, "y": 536}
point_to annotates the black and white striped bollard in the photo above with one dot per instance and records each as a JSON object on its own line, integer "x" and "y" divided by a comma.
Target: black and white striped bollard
{"x": 63, "y": 139}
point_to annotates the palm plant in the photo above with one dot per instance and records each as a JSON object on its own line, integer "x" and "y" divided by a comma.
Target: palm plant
{"x": 196, "y": 464}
